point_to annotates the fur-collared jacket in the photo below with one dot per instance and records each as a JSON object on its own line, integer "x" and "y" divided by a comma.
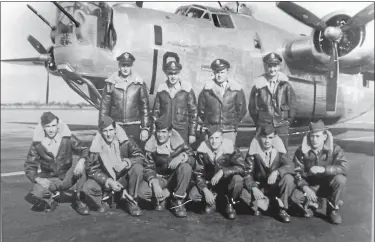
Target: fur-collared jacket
{"x": 278, "y": 108}
{"x": 99, "y": 166}
{"x": 228, "y": 158}
{"x": 159, "y": 157}
{"x": 125, "y": 101}
{"x": 50, "y": 165}
{"x": 179, "y": 107}
{"x": 226, "y": 110}
{"x": 257, "y": 171}
{"x": 331, "y": 157}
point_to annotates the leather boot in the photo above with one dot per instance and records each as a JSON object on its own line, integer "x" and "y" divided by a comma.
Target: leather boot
{"x": 209, "y": 208}
{"x": 178, "y": 207}
{"x": 230, "y": 211}
{"x": 284, "y": 216}
{"x": 160, "y": 205}
{"x": 52, "y": 207}
{"x": 133, "y": 208}
{"x": 333, "y": 212}
{"x": 80, "y": 207}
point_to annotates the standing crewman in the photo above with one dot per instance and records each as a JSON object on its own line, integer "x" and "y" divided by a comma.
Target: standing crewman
{"x": 176, "y": 100}
{"x": 272, "y": 99}
{"x": 125, "y": 100}
{"x": 222, "y": 101}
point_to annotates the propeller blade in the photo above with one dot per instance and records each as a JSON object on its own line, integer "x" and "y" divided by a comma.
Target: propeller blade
{"x": 302, "y": 15}
{"x": 37, "y": 45}
{"x": 332, "y": 80}
{"x": 139, "y": 4}
{"x": 47, "y": 90}
{"x": 26, "y": 61}
{"x": 361, "y": 18}
{"x": 220, "y": 4}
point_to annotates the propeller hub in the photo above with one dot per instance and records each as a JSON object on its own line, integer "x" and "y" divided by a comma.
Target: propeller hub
{"x": 333, "y": 33}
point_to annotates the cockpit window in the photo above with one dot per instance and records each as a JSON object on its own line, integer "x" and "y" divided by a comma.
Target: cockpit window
{"x": 222, "y": 21}
{"x": 195, "y": 13}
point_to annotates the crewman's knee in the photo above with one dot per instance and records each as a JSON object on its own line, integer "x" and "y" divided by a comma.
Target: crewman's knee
{"x": 195, "y": 195}
{"x": 297, "y": 197}
{"x": 136, "y": 169}
{"x": 338, "y": 180}
{"x": 287, "y": 179}
{"x": 91, "y": 187}
{"x": 144, "y": 191}
{"x": 39, "y": 191}
{"x": 184, "y": 168}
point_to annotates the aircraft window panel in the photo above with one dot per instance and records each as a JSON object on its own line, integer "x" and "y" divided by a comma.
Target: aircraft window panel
{"x": 206, "y": 16}
{"x": 216, "y": 20}
{"x": 195, "y": 13}
{"x": 257, "y": 44}
{"x": 225, "y": 21}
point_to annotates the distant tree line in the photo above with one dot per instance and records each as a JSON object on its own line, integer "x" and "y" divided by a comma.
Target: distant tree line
{"x": 36, "y": 104}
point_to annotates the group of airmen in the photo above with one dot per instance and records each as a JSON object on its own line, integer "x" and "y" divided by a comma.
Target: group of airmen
{"x": 144, "y": 155}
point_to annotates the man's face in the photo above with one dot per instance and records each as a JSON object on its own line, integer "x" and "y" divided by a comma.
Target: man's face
{"x": 317, "y": 139}
{"x": 125, "y": 69}
{"x": 51, "y": 129}
{"x": 109, "y": 133}
{"x": 273, "y": 69}
{"x": 266, "y": 141}
{"x": 163, "y": 135}
{"x": 215, "y": 140}
{"x": 173, "y": 78}
{"x": 221, "y": 76}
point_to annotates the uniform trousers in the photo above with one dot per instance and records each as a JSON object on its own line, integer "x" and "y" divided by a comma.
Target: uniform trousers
{"x": 39, "y": 192}
{"x": 330, "y": 187}
{"x": 177, "y": 182}
{"x": 130, "y": 179}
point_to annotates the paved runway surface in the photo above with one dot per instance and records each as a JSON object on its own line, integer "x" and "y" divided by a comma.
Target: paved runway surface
{"x": 19, "y": 223}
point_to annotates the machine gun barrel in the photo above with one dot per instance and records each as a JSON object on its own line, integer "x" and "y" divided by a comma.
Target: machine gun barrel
{"x": 77, "y": 24}
{"x": 41, "y": 17}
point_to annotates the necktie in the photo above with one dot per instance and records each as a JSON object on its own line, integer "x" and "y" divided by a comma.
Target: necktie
{"x": 268, "y": 158}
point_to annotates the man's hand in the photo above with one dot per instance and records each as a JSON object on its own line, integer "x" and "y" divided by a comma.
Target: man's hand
{"x": 177, "y": 160}
{"x": 44, "y": 182}
{"x": 310, "y": 194}
{"x": 157, "y": 189}
{"x": 127, "y": 162}
{"x": 209, "y": 196}
{"x": 80, "y": 167}
{"x": 272, "y": 178}
{"x": 144, "y": 135}
{"x": 215, "y": 180}
{"x": 258, "y": 194}
{"x": 192, "y": 139}
{"x": 115, "y": 185}
{"x": 317, "y": 169}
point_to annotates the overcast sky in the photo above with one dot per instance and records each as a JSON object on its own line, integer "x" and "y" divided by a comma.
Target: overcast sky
{"x": 24, "y": 83}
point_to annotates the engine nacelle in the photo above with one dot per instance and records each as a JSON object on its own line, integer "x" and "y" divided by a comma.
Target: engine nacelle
{"x": 355, "y": 48}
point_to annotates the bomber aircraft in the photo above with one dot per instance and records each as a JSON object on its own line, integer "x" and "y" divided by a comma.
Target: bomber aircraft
{"x": 330, "y": 70}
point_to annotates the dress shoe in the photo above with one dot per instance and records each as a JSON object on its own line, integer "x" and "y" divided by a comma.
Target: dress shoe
{"x": 209, "y": 208}
{"x": 40, "y": 205}
{"x": 230, "y": 211}
{"x": 104, "y": 207}
{"x": 80, "y": 206}
{"x": 51, "y": 207}
{"x": 133, "y": 209}
{"x": 285, "y": 217}
{"x": 335, "y": 217}
{"x": 178, "y": 207}
{"x": 160, "y": 205}
{"x": 257, "y": 213}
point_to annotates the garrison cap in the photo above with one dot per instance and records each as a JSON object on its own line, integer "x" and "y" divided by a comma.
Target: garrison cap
{"x": 105, "y": 122}
{"x": 172, "y": 67}
{"x": 219, "y": 65}
{"x": 266, "y": 129}
{"x": 47, "y": 117}
{"x": 163, "y": 123}
{"x": 126, "y": 58}
{"x": 213, "y": 129}
{"x": 317, "y": 126}
{"x": 272, "y": 58}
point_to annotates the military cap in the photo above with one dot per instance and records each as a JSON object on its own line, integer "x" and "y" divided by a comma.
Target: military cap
{"x": 126, "y": 58}
{"x": 219, "y": 65}
{"x": 163, "y": 123}
{"x": 172, "y": 67}
{"x": 266, "y": 129}
{"x": 317, "y": 126}
{"x": 47, "y": 117}
{"x": 213, "y": 129}
{"x": 272, "y": 58}
{"x": 105, "y": 122}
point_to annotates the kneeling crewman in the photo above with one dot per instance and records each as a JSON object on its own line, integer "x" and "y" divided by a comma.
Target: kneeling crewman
{"x": 269, "y": 172}
{"x": 115, "y": 164}
{"x": 219, "y": 169}
{"x": 321, "y": 172}
{"x": 169, "y": 164}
